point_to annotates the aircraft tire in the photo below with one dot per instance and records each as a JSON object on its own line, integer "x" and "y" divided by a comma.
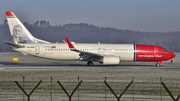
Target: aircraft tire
{"x": 157, "y": 65}
{"x": 90, "y": 63}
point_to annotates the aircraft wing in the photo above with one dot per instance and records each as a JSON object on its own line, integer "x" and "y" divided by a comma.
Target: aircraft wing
{"x": 84, "y": 56}
{"x": 14, "y": 45}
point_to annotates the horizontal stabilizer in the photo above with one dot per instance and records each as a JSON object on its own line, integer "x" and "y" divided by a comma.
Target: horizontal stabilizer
{"x": 14, "y": 45}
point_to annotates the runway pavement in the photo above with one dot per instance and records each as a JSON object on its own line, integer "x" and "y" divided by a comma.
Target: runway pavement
{"x": 35, "y": 63}
{"x": 14, "y": 66}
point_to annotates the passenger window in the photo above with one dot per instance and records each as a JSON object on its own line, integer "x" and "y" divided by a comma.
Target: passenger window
{"x": 164, "y": 50}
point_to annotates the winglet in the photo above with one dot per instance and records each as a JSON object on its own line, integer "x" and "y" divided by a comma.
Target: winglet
{"x": 64, "y": 41}
{"x": 10, "y": 14}
{"x": 70, "y": 44}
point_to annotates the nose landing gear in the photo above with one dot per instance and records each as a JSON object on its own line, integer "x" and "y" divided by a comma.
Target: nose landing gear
{"x": 157, "y": 65}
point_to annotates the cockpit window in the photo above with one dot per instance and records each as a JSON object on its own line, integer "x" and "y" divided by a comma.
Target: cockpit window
{"x": 165, "y": 50}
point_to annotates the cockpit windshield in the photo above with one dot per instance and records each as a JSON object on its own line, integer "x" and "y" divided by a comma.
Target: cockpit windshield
{"x": 165, "y": 50}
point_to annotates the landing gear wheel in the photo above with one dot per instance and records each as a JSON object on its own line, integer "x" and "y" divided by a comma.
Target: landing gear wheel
{"x": 157, "y": 65}
{"x": 90, "y": 63}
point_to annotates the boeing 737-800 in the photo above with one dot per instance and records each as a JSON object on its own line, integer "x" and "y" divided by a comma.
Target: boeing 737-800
{"x": 111, "y": 54}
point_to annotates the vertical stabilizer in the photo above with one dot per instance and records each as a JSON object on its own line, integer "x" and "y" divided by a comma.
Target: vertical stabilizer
{"x": 19, "y": 33}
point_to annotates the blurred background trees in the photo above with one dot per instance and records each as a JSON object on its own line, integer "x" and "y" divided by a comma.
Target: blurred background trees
{"x": 85, "y": 33}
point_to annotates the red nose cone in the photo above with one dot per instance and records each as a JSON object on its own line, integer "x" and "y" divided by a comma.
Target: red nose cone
{"x": 172, "y": 55}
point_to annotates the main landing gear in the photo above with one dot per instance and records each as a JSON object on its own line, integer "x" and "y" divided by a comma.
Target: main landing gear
{"x": 90, "y": 63}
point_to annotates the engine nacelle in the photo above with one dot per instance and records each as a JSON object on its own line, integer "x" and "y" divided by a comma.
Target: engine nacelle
{"x": 111, "y": 60}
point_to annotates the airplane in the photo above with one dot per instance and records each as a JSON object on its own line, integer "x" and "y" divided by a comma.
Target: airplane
{"x": 108, "y": 54}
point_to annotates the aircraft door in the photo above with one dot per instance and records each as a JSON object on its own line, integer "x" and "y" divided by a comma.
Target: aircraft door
{"x": 37, "y": 49}
{"x": 156, "y": 51}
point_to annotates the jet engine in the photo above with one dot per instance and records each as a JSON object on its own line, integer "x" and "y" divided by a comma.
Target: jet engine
{"x": 111, "y": 60}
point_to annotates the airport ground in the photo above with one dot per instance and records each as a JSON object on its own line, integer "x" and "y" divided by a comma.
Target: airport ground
{"x": 6, "y": 60}
{"x": 146, "y": 75}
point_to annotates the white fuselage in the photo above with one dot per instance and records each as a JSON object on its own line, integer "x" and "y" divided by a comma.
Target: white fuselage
{"x": 61, "y": 51}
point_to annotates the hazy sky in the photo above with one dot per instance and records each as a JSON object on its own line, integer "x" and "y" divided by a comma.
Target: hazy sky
{"x": 138, "y": 15}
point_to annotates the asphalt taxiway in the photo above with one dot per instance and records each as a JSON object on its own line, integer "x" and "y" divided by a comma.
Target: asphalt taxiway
{"x": 35, "y": 63}
{"x": 14, "y": 66}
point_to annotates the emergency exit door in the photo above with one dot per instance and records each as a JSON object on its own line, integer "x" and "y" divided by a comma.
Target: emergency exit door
{"x": 156, "y": 51}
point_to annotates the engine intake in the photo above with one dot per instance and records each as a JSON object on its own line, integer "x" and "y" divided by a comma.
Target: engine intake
{"x": 111, "y": 60}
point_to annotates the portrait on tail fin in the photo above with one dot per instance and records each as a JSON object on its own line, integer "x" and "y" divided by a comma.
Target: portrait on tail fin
{"x": 17, "y": 30}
